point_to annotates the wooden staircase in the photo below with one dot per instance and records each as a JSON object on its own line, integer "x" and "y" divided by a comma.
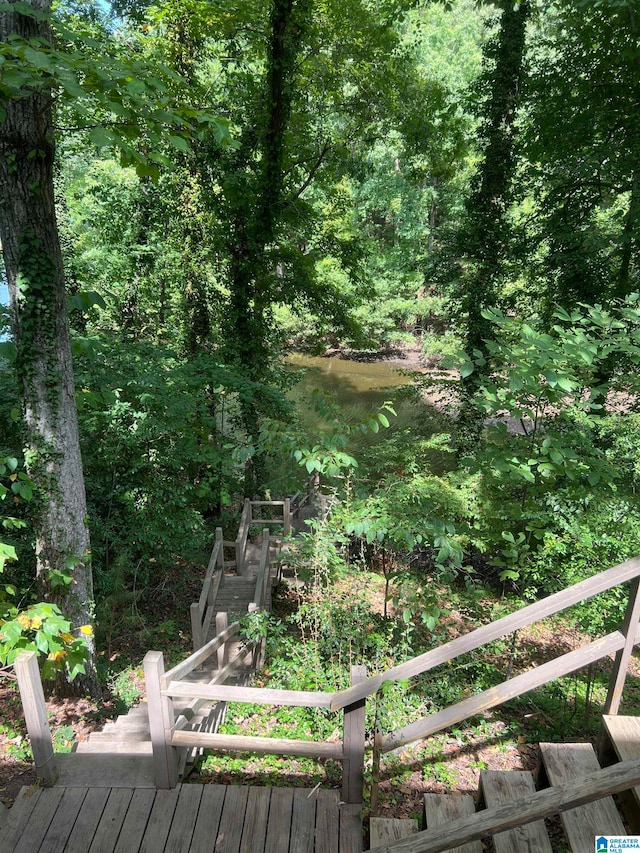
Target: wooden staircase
{"x": 560, "y": 764}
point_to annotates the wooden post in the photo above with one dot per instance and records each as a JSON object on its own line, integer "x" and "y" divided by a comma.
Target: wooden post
{"x": 35, "y": 715}
{"x": 623, "y": 656}
{"x": 196, "y": 627}
{"x": 353, "y": 763}
{"x": 222, "y": 623}
{"x": 221, "y": 550}
{"x": 161, "y": 723}
{"x": 286, "y": 527}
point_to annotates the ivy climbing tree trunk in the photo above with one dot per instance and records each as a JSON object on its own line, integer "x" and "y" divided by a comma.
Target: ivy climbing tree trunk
{"x": 256, "y": 216}
{"x": 484, "y": 238}
{"x": 35, "y": 275}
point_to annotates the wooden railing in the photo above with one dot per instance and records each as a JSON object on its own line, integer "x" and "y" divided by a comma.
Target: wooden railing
{"x": 202, "y": 610}
{"x": 168, "y": 731}
{"x": 619, "y": 643}
{"x": 247, "y": 520}
{"x": 550, "y": 801}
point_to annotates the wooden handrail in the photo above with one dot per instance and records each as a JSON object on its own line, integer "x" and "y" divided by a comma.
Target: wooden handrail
{"x": 493, "y": 631}
{"x": 243, "y": 535}
{"x": 251, "y": 695}
{"x": 260, "y": 745}
{"x": 198, "y": 657}
{"x": 541, "y": 804}
{"x": 202, "y": 610}
{"x": 264, "y": 571}
{"x": 511, "y": 689}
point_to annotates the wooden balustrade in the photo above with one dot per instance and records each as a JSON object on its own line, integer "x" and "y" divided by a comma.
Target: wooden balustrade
{"x": 203, "y": 609}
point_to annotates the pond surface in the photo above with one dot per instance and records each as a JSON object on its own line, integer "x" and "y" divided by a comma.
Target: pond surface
{"x": 359, "y": 389}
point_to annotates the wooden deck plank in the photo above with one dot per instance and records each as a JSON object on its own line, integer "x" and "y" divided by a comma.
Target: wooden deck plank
{"x": 159, "y": 823}
{"x": 303, "y": 821}
{"x": 18, "y": 817}
{"x": 205, "y": 833}
{"x": 443, "y": 808}
{"x": 135, "y": 822}
{"x": 350, "y": 828}
{"x": 279, "y": 824}
{"x": 63, "y": 821}
{"x": 621, "y": 735}
{"x": 87, "y": 821}
{"x": 327, "y": 821}
{"x": 254, "y": 832}
{"x": 232, "y": 819}
{"x": 386, "y": 830}
{"x": 108, "y": 830}
{"x": 569, "y": 762}
{"x": 39, "y": 820}
{"x": 184, "y": 819}
{"x": 498, "y": 788}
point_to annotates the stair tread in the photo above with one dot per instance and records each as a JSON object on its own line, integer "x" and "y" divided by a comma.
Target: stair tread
{"x": 101, "y": 770}
{"x": 444, "y": 808}
{"x": 621, "y": 740}
{"x": 386, "y": 830}
{"x": 105, "y": 747}
{"x": 498, "y": 787}
{"x": 567, "y": 762}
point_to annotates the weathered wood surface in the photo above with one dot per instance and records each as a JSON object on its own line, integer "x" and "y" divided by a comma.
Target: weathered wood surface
{"x": 260, "y": 745}
{"x": 105, "y": 770}
{"x": 535, "y": 806}
{"x": 620, "y": 739}
{"x": 498, "y": 788}
{"x": 35, "y": 715}
{"x": 198, "y": 658}
{"x": 563, "y": 665}
{"x": 354, "y": 744}
{"x": 252, "y": 695}
{"x": 440, "y": 809}
{"x": 187, "y": 819}
{"x": 573, "y": 761}
{"x": 494, "y": 631}
{"x": 386, "y": 830}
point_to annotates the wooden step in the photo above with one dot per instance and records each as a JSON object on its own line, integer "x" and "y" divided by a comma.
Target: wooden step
{"x": 497, "y": 788}
{"x": 620, "y": 741}
{"x": 120, "y": 736}
{"x": 114, "y": 747}
{"x": 444, "y": 808}
{"x": 97, "y": 770}
{"x": 386, "y": 830}
{"x": 568, "y": 762}
{"x": 128, "y": 724}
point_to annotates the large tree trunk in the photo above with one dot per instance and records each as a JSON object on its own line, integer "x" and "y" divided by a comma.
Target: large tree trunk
{"x": 484, "y": 237}
{"x": 33, "y": 263}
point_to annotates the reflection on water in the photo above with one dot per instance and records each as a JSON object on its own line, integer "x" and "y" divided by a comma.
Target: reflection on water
{"x": 359, "y": 389}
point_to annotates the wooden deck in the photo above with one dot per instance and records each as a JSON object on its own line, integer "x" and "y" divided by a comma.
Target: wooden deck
{"x": 187, "y": 819}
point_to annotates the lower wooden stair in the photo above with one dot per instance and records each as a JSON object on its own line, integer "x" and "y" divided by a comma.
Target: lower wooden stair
{"x": 560, "y": 765}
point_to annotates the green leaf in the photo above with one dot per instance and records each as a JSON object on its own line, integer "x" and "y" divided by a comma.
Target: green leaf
{"x": 179, "y": 143}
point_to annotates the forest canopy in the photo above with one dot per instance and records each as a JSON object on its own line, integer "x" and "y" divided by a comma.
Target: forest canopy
{"x": 190, "y": 191}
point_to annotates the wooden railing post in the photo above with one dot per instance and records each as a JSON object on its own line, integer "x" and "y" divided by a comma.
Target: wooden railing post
{"x": 161, "y": 723}
{"x": 222, "y": 623}
{"x": 196, "y": 627}
{"x": 219, "y": 538}
{"x": 623, "y": 656}
{"x": 286, "y": 527}
{"x": 354, "y": 727}
{"x": 35, "y": 715}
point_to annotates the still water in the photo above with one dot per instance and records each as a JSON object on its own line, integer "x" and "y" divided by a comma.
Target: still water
{"x": 359, "y": 389}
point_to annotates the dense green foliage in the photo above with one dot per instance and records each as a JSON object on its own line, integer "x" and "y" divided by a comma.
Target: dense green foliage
{"x": 237, "y": 182}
